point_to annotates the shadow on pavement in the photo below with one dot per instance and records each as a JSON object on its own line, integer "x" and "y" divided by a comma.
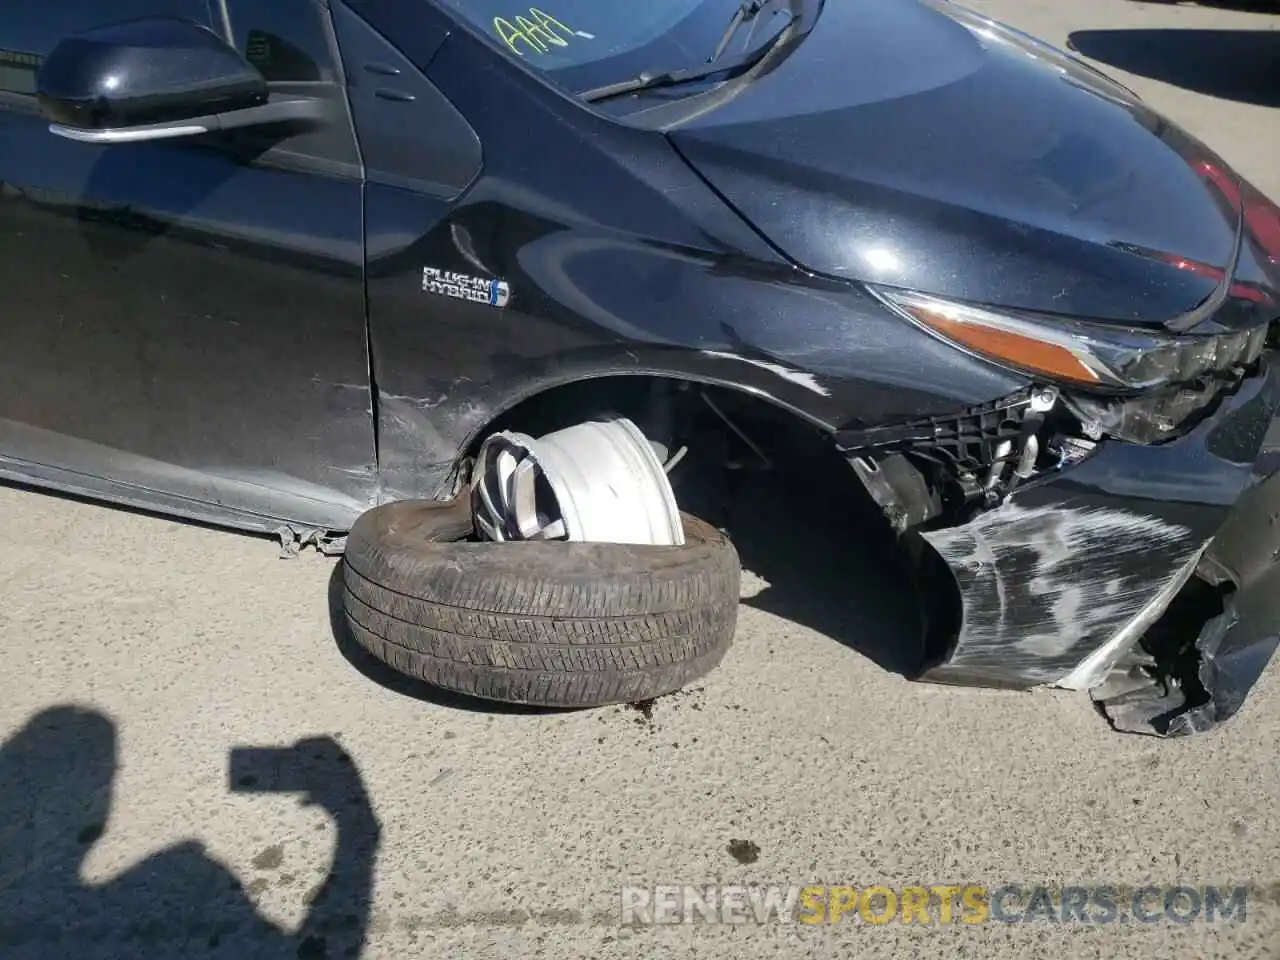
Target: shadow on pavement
{"x": 56, "y": 777}
{"x": 1239, "y": 65}
{"x": 830, "y": 560}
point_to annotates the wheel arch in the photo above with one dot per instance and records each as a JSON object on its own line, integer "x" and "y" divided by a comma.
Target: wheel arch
{"x": 425, "y": 444}
{"x": 602, "y": 383}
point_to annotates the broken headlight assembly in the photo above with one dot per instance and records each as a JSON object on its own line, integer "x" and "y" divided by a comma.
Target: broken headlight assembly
{"x": 1109, "y": 359}
{"x": 1089, "y": 381}
{"x": 1137, "y": 385}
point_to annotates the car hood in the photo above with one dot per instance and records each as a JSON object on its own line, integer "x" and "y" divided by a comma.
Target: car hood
{"x": 915, "y": 144}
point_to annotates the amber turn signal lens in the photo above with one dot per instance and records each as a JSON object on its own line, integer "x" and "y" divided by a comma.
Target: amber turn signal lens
{"x": 1014, "y": 348}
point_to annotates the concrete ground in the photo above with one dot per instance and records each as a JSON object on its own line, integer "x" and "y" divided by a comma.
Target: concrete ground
{"x": 142, "y": 656}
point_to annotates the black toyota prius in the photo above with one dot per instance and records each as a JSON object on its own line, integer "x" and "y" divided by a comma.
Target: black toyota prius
{"x": 469, "y": 287}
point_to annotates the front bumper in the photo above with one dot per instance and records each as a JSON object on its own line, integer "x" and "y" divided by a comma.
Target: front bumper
{"x": 1146, "y": 574}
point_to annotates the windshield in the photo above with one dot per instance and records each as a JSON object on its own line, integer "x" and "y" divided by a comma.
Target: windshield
{"x": 585, "y": 43}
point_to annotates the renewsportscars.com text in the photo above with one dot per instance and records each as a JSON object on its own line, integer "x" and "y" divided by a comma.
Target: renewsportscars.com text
{"x": 931, "y": 904}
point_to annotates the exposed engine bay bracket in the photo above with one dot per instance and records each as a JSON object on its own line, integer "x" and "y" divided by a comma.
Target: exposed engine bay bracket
{"x": 973, "y": 460}
{"x": 899, "y": 489}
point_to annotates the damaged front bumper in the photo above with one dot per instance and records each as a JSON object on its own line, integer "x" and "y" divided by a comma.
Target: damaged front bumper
{"x": 1180, "y": 680}
{"x": 1146, "y": 574}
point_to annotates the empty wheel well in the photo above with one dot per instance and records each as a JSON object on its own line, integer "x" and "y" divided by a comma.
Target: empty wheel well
{"x": 671, "y": 413}
{"x": 724, "y": 434}
{"x": 807, "y": 519}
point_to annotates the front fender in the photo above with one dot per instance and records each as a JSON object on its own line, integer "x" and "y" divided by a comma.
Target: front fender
{"x": 607, "y": 254}
{"x": 583, "y": 305}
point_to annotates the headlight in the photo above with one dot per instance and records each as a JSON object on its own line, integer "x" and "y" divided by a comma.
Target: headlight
{"x": 1075, "y": 351}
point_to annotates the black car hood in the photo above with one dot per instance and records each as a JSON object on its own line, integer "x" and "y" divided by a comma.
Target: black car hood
{"x": 897, "y": 144}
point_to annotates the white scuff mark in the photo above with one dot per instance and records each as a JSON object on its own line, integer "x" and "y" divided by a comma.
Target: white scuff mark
{"x": 806, "y": 380}
{"x": 986, "y": 557}
{"x": 1055, "y": 547}
{"x": 1093, "y": 669}
{"x": 421, "y": 402}
{"x": 1043, "y": 586}
{"x": 363, "y": 472}
{"x": 392, "y": 419}
{"x": 340, "y": 386}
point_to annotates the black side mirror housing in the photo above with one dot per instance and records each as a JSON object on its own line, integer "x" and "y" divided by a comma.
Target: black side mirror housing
{"x": 158, "y": 78}
{"x": 145, "y": 72}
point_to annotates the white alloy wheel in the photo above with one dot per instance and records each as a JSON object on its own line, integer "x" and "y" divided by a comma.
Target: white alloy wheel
{"x": 598, "y": 481}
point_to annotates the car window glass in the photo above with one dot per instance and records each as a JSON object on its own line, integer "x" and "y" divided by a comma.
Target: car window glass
{"x": 410, "y": 134}
{"x": 285, "y": 39}
{"x": 290, "y": 42}
{"x": 562, "y": 33}
{"x": 30, "y": 29}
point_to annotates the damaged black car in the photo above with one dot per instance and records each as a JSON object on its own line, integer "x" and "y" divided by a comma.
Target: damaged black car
{"x": 462, "y": 288}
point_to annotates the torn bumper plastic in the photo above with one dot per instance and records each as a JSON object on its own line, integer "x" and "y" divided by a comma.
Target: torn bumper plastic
{"x": 1145, "y": 574}
{"x": 1180, "y": 681}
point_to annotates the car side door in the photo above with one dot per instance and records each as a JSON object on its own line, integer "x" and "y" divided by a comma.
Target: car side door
{"x": 184, "y": 320}
{"x": 420, "y": 157}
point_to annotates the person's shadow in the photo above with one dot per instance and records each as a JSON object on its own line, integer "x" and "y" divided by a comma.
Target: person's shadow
{"x": 56, "y": 778}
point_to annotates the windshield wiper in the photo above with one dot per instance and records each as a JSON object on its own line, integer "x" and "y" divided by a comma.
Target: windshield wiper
{"x": 746, "y": 12}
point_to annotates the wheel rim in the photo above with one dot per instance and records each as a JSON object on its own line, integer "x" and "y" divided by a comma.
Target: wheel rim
{"x": 597, "y": 481}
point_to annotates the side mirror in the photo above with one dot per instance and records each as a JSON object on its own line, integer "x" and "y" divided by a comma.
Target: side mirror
{"x": 156, "y": 79}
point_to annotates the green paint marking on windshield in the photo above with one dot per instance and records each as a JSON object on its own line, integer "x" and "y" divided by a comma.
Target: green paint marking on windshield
{"x": 539, "y": 32}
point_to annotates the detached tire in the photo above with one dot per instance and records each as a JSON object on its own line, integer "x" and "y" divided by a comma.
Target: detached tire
{"x": 549, "y": 623}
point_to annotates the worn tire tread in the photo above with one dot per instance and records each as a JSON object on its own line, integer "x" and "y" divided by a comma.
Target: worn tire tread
{"x": 565, "y": 625}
